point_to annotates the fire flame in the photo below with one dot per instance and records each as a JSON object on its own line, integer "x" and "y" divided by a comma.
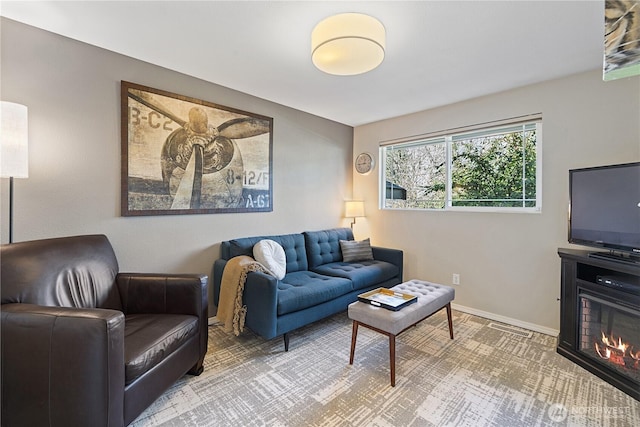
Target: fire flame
{"x": 616, "y": 350}
{"x": 612, "y": 343}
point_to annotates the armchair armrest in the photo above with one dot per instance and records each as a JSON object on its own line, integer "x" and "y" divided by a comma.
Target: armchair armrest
{"x": 393, "y": 256}
{"x": 62, "y": 366}
{"x": 163, "y": 293}
{"x": 168, "y": 294}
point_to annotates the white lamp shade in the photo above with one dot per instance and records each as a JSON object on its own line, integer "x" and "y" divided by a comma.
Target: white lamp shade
{"x": 348, "y": 44}
{"x": 354, "y": 209}
{"x": 14, "y": 148}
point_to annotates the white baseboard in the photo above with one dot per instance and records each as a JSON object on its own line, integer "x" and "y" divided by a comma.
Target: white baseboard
{"x": 507, "y": 320}
{"x": 486, "y": 315}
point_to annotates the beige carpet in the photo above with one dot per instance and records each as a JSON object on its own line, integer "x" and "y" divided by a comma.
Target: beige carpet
{"x": 484, "y": 377}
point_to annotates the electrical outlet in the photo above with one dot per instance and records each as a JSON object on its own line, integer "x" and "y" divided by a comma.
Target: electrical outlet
{"x": 455, "y": 279}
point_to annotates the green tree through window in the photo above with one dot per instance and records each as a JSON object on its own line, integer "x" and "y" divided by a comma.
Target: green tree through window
{"x": 495, "y": 168}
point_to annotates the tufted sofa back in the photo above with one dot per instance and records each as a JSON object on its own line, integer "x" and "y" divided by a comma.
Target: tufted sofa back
{"x": 76, "y": 271}
{"x": 293, "y": 245}
{"x": 324, "y": 246}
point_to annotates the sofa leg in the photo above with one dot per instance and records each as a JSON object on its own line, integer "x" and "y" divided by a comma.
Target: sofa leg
{"x": 196, "y": 370}
{"x": 286, "y": 342}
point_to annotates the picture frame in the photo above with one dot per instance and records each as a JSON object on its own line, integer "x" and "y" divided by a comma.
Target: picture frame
{"x": 621, "y": 39}
{"x": 181, "y": 155}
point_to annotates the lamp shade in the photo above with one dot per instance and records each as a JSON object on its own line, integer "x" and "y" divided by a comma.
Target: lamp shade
{"x": 354, "y": 209}
{"x": 14, "y": 149}
{"x": 348, "y": 44}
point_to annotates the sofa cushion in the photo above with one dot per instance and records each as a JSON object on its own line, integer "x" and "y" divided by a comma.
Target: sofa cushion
{"x": 270, "y": 254}
{"x": 292, "y": 244}
{"x": 356, "y": 250}
{"x": 151, "y": 338}
{"x": 324, "y": 246}
{"x": 304, "y": 289}
{"x": 363, "y": 273}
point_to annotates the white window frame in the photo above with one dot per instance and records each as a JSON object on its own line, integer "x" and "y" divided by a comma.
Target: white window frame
{"x": 448, "y": 139}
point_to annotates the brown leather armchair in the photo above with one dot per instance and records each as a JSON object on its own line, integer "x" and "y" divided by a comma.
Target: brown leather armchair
{"x": 85, "y": 345}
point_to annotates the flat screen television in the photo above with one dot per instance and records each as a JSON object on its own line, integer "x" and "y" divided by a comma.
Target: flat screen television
{"x": 604, "y": 210}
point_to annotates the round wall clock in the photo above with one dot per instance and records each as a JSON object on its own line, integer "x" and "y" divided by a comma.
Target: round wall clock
{"x": 364, "y": 163}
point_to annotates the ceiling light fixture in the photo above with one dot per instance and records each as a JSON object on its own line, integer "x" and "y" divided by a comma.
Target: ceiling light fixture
{"x": 348, "y": 44}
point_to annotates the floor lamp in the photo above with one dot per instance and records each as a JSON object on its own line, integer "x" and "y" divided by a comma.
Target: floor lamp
{"x": 354, "y": 209}
{"x": 14, "y": 152}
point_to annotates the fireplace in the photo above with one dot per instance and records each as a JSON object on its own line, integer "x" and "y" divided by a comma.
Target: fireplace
{"x": 610, "y": 333}
{"x": 600, "y": 318}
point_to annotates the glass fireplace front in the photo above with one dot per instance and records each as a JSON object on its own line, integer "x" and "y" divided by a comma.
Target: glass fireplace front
{"x": 609, "y": 333}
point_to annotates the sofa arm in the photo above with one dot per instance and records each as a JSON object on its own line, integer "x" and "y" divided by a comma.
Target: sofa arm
{"x": 218, "y": 269}
{"x": 261, "y": 298}
{"x": 393, "y": 256}
{"x": 62, "y": 366}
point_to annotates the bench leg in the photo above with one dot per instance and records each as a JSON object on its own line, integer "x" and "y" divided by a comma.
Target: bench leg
{"x": 392, "y": 339}
{"x": 392, "y": 358}
{"x": 354, "y": 334}
{"x": 450, "y": 321}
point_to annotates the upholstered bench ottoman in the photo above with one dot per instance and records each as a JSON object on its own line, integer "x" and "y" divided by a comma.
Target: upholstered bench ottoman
{"x": 431, "y": 299}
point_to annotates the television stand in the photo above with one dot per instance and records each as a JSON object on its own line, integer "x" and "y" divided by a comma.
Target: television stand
{"x": 589, "y": 307}
{"x": 615, "y": 257}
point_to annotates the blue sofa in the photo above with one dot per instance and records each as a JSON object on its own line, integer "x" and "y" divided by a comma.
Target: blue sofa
{"x": 317, "y": 284}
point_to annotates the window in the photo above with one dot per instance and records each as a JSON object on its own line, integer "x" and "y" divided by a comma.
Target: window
{"x": 491, "y": 167}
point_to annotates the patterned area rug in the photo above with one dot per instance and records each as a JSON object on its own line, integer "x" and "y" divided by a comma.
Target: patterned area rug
{"x": 486, "y": 376}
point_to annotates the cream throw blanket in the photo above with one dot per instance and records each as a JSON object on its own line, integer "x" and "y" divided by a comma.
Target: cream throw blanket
{"x": 231, "y": 312}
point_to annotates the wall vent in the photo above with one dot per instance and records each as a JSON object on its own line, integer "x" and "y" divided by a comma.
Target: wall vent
{"x": 512, "y": 330}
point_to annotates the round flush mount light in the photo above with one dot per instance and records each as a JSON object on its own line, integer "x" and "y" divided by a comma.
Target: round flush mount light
{"x": 348, "y": 44}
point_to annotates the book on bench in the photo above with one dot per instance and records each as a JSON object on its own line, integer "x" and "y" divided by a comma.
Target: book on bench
{"x": 386, "y": 298}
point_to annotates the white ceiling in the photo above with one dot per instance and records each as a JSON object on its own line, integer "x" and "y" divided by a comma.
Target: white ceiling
{"x": 438, "y": 52}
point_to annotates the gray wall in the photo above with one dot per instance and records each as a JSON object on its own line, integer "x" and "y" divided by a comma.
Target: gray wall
{"x": 73, "y": 94}
{"x": 508, "y": 264}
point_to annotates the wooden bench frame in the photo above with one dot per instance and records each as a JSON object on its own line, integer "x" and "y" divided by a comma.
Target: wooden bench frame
{"x": 392, "y": 338}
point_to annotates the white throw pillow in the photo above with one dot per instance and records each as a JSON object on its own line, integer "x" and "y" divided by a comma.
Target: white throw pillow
{"x": 270, "y": 254}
